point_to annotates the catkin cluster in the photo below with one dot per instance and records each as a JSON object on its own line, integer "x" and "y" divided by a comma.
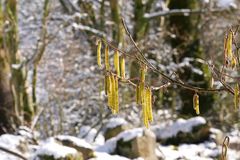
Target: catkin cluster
{"x": 144, "y": 98}
{"x": 111, "y": 76}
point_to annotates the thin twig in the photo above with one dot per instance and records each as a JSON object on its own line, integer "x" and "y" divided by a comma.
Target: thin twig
{"x": 12, "y": 153}
{"x": 174, "y": 12}
{"x": 169, "y": 79}
{"x": 35, "y": 120}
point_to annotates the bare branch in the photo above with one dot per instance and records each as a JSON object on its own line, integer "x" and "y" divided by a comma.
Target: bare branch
{"x": 185, "y": 12}
{"x": 169, "y": 79}
{"x": 87, "y": 28}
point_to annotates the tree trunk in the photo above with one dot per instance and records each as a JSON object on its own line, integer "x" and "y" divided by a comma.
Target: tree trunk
{"x": 15, "y": 103}
{"x": 6, "y": 96}
{"x": 141, "y": 24}
{"x": 117, "y": 30}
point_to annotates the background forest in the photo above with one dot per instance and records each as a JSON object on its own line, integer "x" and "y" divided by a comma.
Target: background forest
{"x": 52, "y": 100}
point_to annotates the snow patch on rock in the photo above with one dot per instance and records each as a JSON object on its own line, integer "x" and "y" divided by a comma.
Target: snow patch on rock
{"x": 127, "y": 135}
{"x": 171, "y": 129}
{"x": 52, "y": 148}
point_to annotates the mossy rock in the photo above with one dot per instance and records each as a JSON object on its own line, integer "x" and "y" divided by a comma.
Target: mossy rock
{"x": 112, "y": 132}
{"x": 198, "y": 134}
{"x": 87, "y": 153}
{"x": 78, "y": 156}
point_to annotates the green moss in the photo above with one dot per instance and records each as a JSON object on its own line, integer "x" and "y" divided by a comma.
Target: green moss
{"x": 68, "y": 157}
{"x": 124, "y": 148}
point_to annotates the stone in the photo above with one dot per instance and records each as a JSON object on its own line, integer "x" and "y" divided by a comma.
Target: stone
{"x": 114, "y": 127}
{"x": 77, "y": 156}
{"x": 112, "y": 132}
{"x": 79, "y": 144}
{"x": 193, "y": 130}
{"x": 52, "y": 150}
{"x": 140, "y": 146}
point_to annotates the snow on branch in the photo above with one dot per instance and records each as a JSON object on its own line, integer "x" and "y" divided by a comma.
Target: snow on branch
{"x": 185, "y": 12}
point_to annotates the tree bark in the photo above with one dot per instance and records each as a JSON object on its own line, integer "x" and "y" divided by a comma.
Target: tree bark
{"x": 15, "y": 103}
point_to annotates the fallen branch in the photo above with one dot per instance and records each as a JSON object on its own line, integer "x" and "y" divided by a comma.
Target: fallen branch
{"x": 12, "y": 153}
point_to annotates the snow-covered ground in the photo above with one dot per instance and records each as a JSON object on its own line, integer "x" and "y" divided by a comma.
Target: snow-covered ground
{"x": 202, "y": 151}
{"x": 207, "y": 150}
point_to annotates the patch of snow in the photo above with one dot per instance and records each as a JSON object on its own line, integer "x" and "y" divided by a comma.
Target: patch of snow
{"x": 127, "y": 135}
{"x": 216, "y": 134}
{"x": 79, "y": 142}
{"x": 205, "y": 1}
{"x": 52, "y": 148}
{"x": 168, "y": 130}
{"x": 89, "y": 134}
{"x": 10, "y": 142}
{"x": 204, "y": 151}
{"x": 226, "y": 3}
{"x": 16, "y": 66}
{"x": 25, "y": 132}
{"x": 105, "y": 156}
{"x": 115, "y": 122}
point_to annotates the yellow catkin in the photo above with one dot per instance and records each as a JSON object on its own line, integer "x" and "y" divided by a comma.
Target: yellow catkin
{"x": 146, "y": 100}
{"x": 233, "y": 62}
{"x": 225, "y": 51}
{"x": 116, "y": 105}
{"x": 106, "y": 84}
{"x": 141, "y": 92}
{"x": 149, "y": 104}
{"x": 138, "y": 98}
{"x": 113, "y": 101}
{"x": 236, "y": 96}
{"x": 196, "y": 103}
{"x": 142, "y": 74}
{"x": 122, "y": 67}
{"x": 145, "y": 110}
{"x": 116, "y": 62}
{"x": 229, "y": 46}
{"x": 99, "y": 47}
{"x": 107, "y": 65}
{"x": 109, "y": 90}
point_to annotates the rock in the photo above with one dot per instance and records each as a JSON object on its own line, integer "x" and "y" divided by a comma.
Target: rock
{"x": 132, "y": 143}
{"x": 143, "y": 146}
{"x": 77, "y": 156}
{"x": 234, "y": 143}
{"x": 52, "y": 150}
{"x": 114, "y": 127}
{"x": 193, "y": 130}
{"x": 112, "y": 132}
{"x": 216, "y": 136}
{"x": 79, "y": 144}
